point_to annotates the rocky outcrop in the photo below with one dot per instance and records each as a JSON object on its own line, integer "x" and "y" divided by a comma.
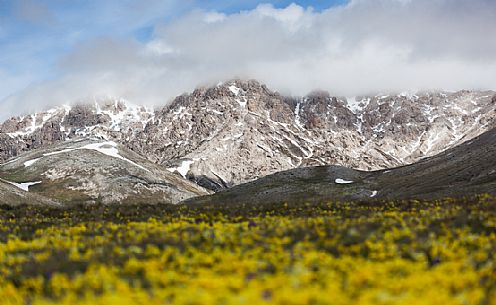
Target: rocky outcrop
{"x": 81, "y": 116}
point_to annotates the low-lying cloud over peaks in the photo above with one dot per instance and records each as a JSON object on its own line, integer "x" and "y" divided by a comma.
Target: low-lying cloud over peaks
{"x": 365, "y": 46}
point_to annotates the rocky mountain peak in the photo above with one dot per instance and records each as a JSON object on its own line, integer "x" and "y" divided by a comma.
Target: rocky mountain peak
{"x": 240, "y": 130}
{"x": 105, "y": 118}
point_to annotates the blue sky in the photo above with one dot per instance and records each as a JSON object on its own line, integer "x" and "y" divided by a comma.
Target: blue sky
{"x": 148, "y": 51}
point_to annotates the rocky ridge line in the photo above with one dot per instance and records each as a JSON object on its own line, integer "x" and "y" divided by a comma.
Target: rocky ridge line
{"x": 240, "y": 130}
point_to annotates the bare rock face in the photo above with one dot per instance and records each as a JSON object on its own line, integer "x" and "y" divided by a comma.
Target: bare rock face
{"x": 240, "y": 130}
{"x": 81, "y": 116}
{"x": 9, "y": 147}
{"x": 465, "y": 170}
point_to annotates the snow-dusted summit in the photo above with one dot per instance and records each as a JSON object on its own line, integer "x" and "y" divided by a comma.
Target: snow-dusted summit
{"x": 240, "y": 130}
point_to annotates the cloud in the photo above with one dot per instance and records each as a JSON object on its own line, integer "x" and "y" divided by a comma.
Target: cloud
{"x": 365, "y": 46}
{"x": 13, "y": 83}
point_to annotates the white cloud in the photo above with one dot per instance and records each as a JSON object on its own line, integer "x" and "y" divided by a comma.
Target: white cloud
{"x": 213, "y": 17}
{"x": 158, "y": 47}
{"x": 364, "y": 47}
{"x": 11, "y": 83}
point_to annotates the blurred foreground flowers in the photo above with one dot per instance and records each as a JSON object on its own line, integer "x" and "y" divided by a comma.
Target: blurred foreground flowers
{"x": 412, "y": 252}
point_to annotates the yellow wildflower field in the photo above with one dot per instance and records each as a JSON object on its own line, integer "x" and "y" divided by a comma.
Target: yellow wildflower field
{"x": 408, "y": 252}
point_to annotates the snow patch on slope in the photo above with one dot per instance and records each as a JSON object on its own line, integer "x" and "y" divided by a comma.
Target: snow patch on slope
{"x": 10, "y": 161}
{"x": 353, "y": 104}
{"x": 30, "y": 162}
{"x": 342, "y": 181}
{"x": 24, "y": 185}
{"x": 235, "y": 90}
{"x": 297, "y": 116}
{"x": 109, "y": 148}
{"x": 129, "y": 114}
{"x": 59, "y": 152}
{"x": 182, "y": 169}
{"x": 47, "y": 115}
{"x": 356, "y": 105}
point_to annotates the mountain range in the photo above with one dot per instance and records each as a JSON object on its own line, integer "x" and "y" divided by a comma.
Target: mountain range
{"x": 239, "y": 131}
{"x": 465, "y": 170}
